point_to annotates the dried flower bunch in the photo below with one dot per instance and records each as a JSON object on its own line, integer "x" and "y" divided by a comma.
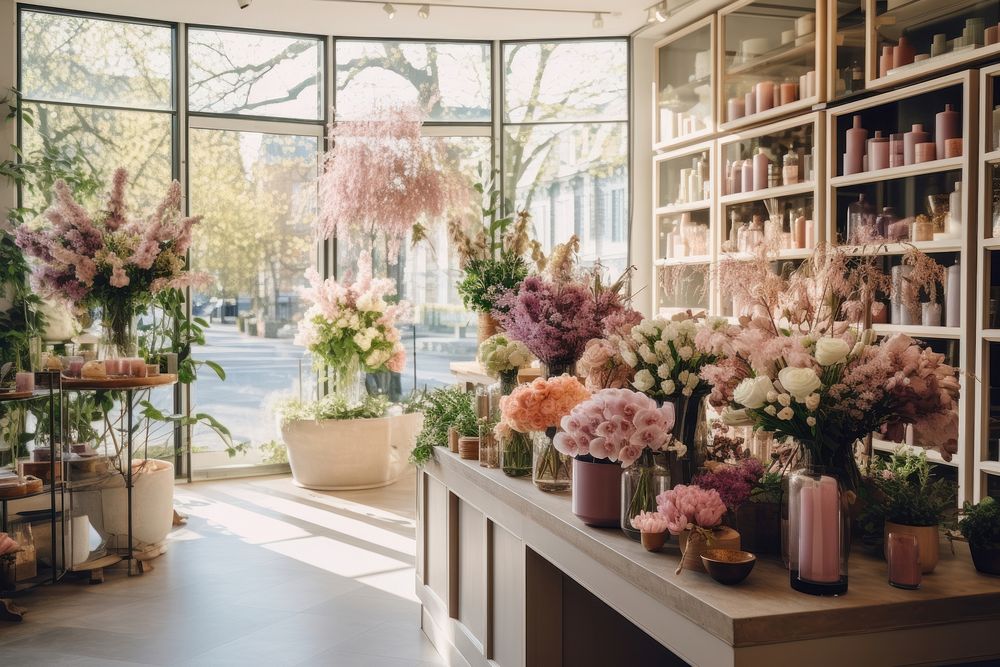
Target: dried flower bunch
{"x": 110, "y": 260}
{"x": 349, "y": 320}
{"x": 541, "y": 404}
{"x": 380, "y": 177}
{"x": 501, "y": 354}
{"x": 617, "y": 425}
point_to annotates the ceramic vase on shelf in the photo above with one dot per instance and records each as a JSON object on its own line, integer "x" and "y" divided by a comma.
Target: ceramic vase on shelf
{"x": 947, "y": 125}
{"x": 641, "y": 483}
{"x": 695, "y": 542}
{"x": 818, "y": 533}
{"x": 551, "y": 470}
{"x": 928, "y": 541}
{"x": 597, "y": 491}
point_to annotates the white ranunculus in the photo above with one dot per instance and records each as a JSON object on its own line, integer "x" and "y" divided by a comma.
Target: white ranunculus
{"x": 663, "y": 370}
{"x": 799, "y": 382}
{"x": 647, "y": 354}
{"x": 736, "y": 417}
{"x": 830, "y": 351}
{"x": 752, "y": 392}
{"x": 643, "y": 380}
{"x": 628, "y": 356}
{"x": 667, "y": 387}
{"x": 786, "y": 413}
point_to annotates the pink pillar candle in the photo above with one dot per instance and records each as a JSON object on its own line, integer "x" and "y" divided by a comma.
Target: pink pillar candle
{"x": 24, "y": 381}
{"x": 750, "y": 103}
{"x": 788, "y": 93}
{"x": 819, "y": 531}
{"x": 953, "y": 148}
{"x": 903, "y": 553}
{"x": 735, "y": 108}
{"x": 765, "y": 95}
{"x": 925, "y": 152}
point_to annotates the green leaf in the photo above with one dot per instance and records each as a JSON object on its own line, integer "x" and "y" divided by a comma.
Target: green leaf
{"x": 217, "y": 368}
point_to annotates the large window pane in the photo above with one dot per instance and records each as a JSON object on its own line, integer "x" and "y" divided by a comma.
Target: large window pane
{"x": 574, "y": 180}
{"x": 565, "y": 81}
{"x": 257, "y": 193}
{"x": 255, "y": 74}
{"x": 83, "y": 60}
{"x": 94, "y": 141}
{"x": 450, "y": 80}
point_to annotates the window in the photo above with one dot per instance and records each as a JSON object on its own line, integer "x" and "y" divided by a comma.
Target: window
{"x": 256, "y": 74}
{"x": 100, "y": 94}
{"x": 565, "y": 142}
{"x": 254, "y": 183}
{"x": 451, "y": 80}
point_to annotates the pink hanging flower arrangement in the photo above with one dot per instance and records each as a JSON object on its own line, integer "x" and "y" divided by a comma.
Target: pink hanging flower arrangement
{"x": 380, "y": 176}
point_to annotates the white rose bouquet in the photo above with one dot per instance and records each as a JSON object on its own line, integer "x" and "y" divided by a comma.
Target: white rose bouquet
{"x": 500, "y": 355}
{"x": 666, "y": 359}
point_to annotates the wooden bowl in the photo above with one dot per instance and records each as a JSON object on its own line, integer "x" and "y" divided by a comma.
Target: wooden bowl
{"x": 728, "y": 566}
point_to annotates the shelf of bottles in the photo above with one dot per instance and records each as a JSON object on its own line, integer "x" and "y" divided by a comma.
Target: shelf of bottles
{"x": 683, "y": 197}
{"x": 899, "y": 165}
{"x": 768, "y": 60}
{"x": 846, "y": 49}
{"x": 768, "y": 188}
{"x": 913, "y": 39}
{"x": 685, "y": 85}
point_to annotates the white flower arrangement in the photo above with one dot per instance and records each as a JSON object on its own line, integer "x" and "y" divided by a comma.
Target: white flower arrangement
{"x": 500, "y": 354}
{"x": 665, "y": 357}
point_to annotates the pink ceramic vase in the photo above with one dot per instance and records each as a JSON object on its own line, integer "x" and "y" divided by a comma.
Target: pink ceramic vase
{"x": 597, "y": 493}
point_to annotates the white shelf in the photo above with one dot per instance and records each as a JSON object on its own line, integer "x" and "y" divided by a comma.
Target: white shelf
{"x": 895, "y": 248}
{"x": 991, "y": 244}
{"x": 892, "y": 173}
{"x": 784, "y": 253}
{"x": 674, "y": 209}
{"x": 680, "y": 261}
{"x": 932, "y": 454}
{"x": 992, "y": 156}
{"x": 918, "y": 330}
{"x": 779, "y": 56}
{"x": 768, "y": 193}
{"x": 991, "y": 467}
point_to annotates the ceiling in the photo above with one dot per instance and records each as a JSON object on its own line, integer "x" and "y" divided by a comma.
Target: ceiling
{"x": 369, "y": 20}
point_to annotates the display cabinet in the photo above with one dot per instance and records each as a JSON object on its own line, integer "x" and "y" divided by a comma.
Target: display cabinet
{"x": 770, "y": 60}
{"x": 846, "y": 49}
{"x": 986, "y": 456}
{"x": 685, "y": 85}
{"x": 683, "y": 228}
{"x": 890, "y": 192}
{"x": 911, "y": 39}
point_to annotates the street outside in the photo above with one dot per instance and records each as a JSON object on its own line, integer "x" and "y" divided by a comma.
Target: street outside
{"x": 260, "y": 372}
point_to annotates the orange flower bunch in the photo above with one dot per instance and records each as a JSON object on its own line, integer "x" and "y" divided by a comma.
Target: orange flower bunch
{"x": 542, "y": 404}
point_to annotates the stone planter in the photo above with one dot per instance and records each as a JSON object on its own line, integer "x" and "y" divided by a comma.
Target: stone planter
{"x": 152, "y": 504}
{"x": 349, "y": 454}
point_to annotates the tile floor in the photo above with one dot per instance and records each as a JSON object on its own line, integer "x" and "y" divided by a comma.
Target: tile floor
{"x": 264, "y": 573}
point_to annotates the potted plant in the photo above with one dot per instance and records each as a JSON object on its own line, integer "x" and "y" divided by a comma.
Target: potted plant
{"x": 334, "y": 444}
{"x": 909, "y": 501}
{"x": 695, "y": 515}
{"x": 981, "y": 527}
{"x": 466, "y": 425}
{"x": 623, "y": 427}
{"x": 442, "y": 409}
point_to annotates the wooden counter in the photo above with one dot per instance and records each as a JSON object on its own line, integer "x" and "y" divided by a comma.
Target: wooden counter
{"x": 488, "y": 545}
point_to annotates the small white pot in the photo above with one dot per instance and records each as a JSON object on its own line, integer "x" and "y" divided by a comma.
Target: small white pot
{"x": 349, "y": 454}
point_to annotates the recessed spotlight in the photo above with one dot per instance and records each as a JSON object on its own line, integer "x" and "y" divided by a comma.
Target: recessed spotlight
{"x": 598, "y": 20}
{"x": 424, "y": 11}
{"x": 389, "y": 9}
{"x": 661, "y": 12}
{"x": 243, "y": 3}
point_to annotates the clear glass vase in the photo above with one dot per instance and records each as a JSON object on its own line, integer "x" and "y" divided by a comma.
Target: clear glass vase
{"x": 515, "y": 455}
{"x": 119, "y": 331}
{"x": 690, "y": 429}
{"x": 818, "y": 532}
{"x": 489, "y": 450}
{"x": 641, "y": 483}
{"x": 551, "y": 470}
{"x": 347, "y": 381}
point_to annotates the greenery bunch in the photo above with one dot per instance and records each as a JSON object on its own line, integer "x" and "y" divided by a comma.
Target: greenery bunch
{"x": 909, "y": 493}
{"x": 333, "y": 406}
{"x": 981, "y": 523}
{"x": 444, "y": 408}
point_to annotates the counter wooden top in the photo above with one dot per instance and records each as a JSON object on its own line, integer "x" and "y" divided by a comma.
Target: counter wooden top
{"x": 764, "y": 609}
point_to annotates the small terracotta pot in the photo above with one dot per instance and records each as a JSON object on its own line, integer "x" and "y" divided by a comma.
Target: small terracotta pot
{"x": 928, "y": 540}
{"x": 986, "y": 559}
{"x": 453, "y": 440}
{"x": 653, "y": 541}
{"x": 468, "y": 447}
{"x": 693, "y": 545}
{"x": 597, "y": 493}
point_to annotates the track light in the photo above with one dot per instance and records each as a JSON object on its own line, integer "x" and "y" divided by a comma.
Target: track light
{"x": 389, "y": 9}
{"x": 651, "y": 15}
{"x": 661, "y": 12}
{"x": 598, "y": 20}
{"x": 424, "y": 11}
{"x": 243, "y": 3}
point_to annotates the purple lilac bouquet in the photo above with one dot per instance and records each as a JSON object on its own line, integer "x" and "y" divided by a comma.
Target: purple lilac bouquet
{"x": 556, "y": 319}
{"x": 734, "y": 482}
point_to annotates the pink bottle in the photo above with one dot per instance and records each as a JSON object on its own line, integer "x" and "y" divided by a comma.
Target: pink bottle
{"x": 910, "y": 140}
{"x": 735, "y": 108}
{"x": 854, "y": 151}
{"x": 736, "y": 178}
{"x": 878, "y": 152}
{"x": 760, "y": 164}
{"x": 903, "y": 54}
{"x": 947, "y": 125}
{"x": 885, "y": 62}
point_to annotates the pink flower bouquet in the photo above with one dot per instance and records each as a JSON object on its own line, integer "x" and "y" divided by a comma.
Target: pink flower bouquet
{"x": 689, "y": 507}
{"x": 602, "y": 366}
{"x": 542, "y": 404}
{"x": 617, "y": 425}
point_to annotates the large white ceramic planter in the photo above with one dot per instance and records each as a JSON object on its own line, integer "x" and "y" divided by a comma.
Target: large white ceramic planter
{"x": 349, "y": 454}
{"x": 152, "y": 504}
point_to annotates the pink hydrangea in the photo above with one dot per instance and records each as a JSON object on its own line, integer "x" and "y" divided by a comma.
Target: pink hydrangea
{"x": 689, "y": 506}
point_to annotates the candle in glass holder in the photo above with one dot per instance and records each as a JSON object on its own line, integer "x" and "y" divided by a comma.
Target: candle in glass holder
{"x": 114, "y": 366}
{"x": 75, "y": 367}
{"x": 24, "y": 381}
{"x": 136, "y": 367}
{"x": 903, "y": 554}
{"x": 152, "y": 370}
